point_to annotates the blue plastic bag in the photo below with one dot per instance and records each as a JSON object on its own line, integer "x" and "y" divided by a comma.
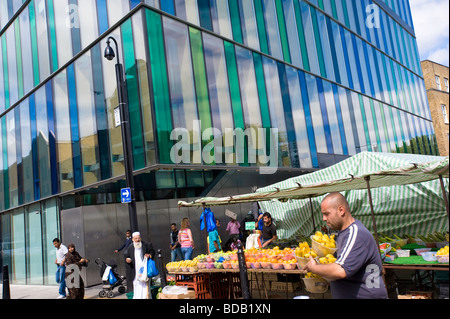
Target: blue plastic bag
{"x": 111, "y": 278}
{"x": 152, "y": 271}
{"x": 208, "y": 216}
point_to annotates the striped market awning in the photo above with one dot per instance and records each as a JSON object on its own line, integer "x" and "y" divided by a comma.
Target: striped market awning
{"x": 405, "y": 189}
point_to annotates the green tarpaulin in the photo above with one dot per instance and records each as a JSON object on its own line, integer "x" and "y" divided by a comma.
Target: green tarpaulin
{"x": 405, "y": 189}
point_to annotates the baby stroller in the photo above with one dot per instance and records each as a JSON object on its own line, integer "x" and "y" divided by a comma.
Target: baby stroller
{"x": 110, "y": 280}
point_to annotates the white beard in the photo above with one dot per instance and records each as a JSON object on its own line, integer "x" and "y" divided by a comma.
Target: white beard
{"x": 137, "y": 245}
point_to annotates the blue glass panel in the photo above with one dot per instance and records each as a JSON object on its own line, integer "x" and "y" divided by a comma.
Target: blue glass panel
{"x": 51, "y": 137}
{"x": 18, "y": 156}
{"x": 134, "y": 3}
{"x": 340, "y": 119}
{"x": 102, "y": 16}
{"x": 204, "y": 12}
{"x": 308, "y": 119}
{"x": 168, "y": 6}
{"x": 73, "y": 110}
{"x": 34, "y": 147}
{"x": 326, "y": 123}
{"x": 290, "y": 129}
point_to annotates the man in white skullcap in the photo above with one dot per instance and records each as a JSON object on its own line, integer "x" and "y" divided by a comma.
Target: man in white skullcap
{"x": 134, "y": 257}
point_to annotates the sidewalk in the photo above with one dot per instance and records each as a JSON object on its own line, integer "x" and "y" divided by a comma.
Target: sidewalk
{"x": 51, "y": 292}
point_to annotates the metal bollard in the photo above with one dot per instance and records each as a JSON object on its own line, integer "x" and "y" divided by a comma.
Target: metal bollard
{"x": 6, "y": 294}
{"x": 161, "y": 269}
{"x": 243, "y": 271}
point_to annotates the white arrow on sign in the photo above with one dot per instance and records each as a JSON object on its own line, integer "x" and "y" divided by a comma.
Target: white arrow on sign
{"x": 126, "y": 193}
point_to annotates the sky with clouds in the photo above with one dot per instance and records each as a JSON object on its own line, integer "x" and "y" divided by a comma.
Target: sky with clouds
{"x": 431, "y": 24}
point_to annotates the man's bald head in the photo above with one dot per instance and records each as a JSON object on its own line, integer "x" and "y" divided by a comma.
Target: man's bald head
{"x": 336, "y": 211}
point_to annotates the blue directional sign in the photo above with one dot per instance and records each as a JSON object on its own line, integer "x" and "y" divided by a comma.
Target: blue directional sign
{"x": 125, "y": 194}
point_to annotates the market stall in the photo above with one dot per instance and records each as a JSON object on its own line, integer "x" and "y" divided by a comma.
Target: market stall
{"x": 389, "y": 193}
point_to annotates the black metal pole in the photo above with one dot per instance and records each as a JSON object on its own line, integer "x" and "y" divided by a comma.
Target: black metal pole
{"x": 161, "y": 269}
{"x": 243, "y": 271}
{"x": 6, "y": 294}
{"x": 444, "y": 193}
{"x": 126, "y": 138}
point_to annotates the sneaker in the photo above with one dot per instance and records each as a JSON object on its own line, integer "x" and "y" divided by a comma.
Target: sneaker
{"x": 61, "y": 297}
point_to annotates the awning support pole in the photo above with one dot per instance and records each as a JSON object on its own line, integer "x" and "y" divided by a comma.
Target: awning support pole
{"x": 444, "y": 193}
{"x": 312, "y": 213}
{"x": 367, "y": 179}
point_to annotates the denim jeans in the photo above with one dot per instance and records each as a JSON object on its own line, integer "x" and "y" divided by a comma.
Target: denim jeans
{"x": 61, "y": 279}
{"x": 174, "y": 253}
{"x": 187, "y": 252}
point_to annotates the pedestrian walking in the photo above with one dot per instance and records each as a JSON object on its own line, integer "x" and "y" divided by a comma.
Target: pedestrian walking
{"x": 175, "y": 247}
{"x": 185, "y": 239}
{"x": 74, "y": 281}
{"x": 61, "y": 251}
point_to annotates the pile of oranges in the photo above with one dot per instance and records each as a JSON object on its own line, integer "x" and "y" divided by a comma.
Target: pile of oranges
{"x": 272, "y": 256}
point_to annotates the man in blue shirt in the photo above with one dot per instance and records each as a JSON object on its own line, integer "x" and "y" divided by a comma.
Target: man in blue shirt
{"x": 357, "y": 272}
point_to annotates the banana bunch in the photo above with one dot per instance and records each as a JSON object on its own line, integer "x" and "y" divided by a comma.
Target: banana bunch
{"x": 328, "y": 259}
{"x": 442, "y": 251}
{"x": 183, "y": 263}
{"x": 324, "y": 239}
{"x": 304, "y": 251}
{"x": 311, "y": 275}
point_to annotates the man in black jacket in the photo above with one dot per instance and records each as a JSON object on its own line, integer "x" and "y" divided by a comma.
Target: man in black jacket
{"x": 134, "y": 257}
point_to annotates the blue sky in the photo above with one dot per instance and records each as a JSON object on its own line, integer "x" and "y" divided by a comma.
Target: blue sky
{"x": 431, "y": 24}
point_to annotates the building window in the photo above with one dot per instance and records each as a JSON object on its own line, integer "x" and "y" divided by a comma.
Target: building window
{"x": 438, "y": 82}
{"x": 444, "y": 113}
{"x": 446, "y": 84}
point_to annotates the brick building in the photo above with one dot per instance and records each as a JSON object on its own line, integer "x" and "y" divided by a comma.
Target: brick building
{"x": 436, "y": 78}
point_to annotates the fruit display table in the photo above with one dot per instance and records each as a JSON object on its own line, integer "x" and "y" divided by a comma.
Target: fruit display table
{"x": 225, "y": 283}
{"x": 415, "y": 263}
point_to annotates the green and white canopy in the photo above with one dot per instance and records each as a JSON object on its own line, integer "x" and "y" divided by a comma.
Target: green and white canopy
{"x": 406, "y": 194}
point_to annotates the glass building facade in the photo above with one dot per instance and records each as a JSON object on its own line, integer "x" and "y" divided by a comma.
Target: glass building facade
{"x": 333, "y": 77}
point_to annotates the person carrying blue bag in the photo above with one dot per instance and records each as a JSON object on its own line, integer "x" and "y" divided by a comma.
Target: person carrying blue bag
{"x": 136, "y": 258}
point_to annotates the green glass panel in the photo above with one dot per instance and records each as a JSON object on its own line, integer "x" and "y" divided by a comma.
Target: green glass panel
{"x": 233, "y": 79}
{"x": 163, "y": 117}
{"x": 333, "y": 9}
{"x": 134, "y": 109}
{"x": 201, "y": 84}
{"x": 364, "y": 118}
{"x": 375, "y": 124}
{"x": 383, "y": 118}
{"x": 234, "y": 85}
{"x": 344, "y": 7}
{"x": 283, "y": 33}
{"x": 301, "y": 36}
{"x": 321, "y": 5}
{"x": 52, "y": 36}
{"x": 323, "y": 72}
{"x": 19, "y": 58}
{"x": 262, "y": 94}
{"x": 396, "y": 138}
{"x": 261, "y": 27}
{"x": 235, "y": 20}
{"x": 34, "y": 43}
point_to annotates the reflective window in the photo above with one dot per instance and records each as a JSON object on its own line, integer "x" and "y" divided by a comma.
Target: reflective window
{"x": 42, "y": 38}
{"x": 332, "y": 117}
{"x": 219, "y": 94}
{"x": 316, "y": 114}
{"x": 248, "y": 23}
{"x": 179, "y": 66}
{"x": 276, "y": 110}
{"x": 221, "y": 18}
{"x": 273, "y": 35}
{"x": 26, "y": 51}
{"x": 298, "y": 117}
{"x": 12, "y": 75}
{"x": 27, "y": 155}
{"x": 292, "y": 33}
{"x": 187, "y": 10}
{"x": 86, "y": 119}
{"x": 12, "y": 158}
{"x": 63, "y": 132}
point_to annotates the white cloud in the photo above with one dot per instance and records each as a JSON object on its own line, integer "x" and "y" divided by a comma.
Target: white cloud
{"x": 431, "y": 24}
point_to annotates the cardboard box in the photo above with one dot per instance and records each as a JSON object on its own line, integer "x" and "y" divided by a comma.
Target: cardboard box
{"x": 189, "y": 295}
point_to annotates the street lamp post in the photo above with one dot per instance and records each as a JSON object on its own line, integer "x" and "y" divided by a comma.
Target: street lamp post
{"x": 125, "y": 129}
